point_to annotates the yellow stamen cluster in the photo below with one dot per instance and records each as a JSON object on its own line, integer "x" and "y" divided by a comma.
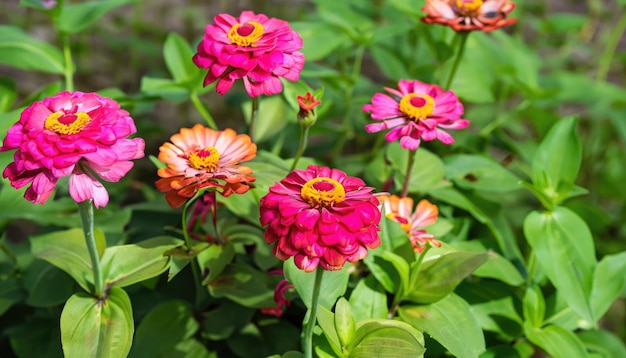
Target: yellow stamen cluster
{"x": 467, "y": 7}
{"x": 417, "y": 106}
{"x": 322, "y": 191}
{"x": 206, "y": 159}
{"x": 62, "y": 123}
{"x": 247, "y": 34}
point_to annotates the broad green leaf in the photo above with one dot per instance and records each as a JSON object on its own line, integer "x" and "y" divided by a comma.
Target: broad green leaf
{"x": 557, "y": 161}
{"x": 428, "y": 171}
{"x": 477, "y": 172}
{"x": 500, "y": 351}
{"x": 557, "y": 341}
{"x": 75, "y": 18}
{"x": 164, "y": 87}
{"x": 437, "y": 278}
{"x": 93, "y": 328}
{"x": 231, "y": 318}
{"x": 273, "y": 116}
{"x": 389, "y": 62}
{"x": 534, "y": 306}
{"x": 450, "y": 322}
{"x": 334, "y": 284}
{"x": 19, "y": 49}
{"x": 244, "y": 285}
{"x": 386, "y": 338}
{"x": 368, "y": 300}
{"x": 564, "y": 248}
{"x": 164, "y": 327}
{"x": 37, "y": 337}
{"x": 8, "y": 93}
{"x": 321, "y": 40}
{"x": 67, "y": 250}
{"x": 605, "y": 343}
{"x": 125, "y": 265}
{"x": 178, "y": 54}
{"x": 499, "y": 268}
{"x": 609, "y": 280}
{"x": 326, "y": 320}
{"x": 10, "y": 293}
{"x": 386, "y": 272}
{"x": 47, "y": 286}
{"x": 344, "y": 322}
{"x": 214, "y": 259}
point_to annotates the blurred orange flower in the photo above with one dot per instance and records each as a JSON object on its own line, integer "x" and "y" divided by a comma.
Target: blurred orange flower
{"x": 201, "y": 157}
{"x": 469, "y": 15}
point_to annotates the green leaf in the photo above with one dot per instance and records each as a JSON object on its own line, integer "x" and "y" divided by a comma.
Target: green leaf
{"x": 232, "y": 318}
{"x": 450, "y": 322}
{"x": 609, "y": 281}
{"x": 437, "y": 278}
{"x": 334, "y": 284}
{"x": 477, "y": 172}
{"x": 386, "y": 338}
{"x": 557, "y": 341}
{"x": 178, "y": 54}
{"x": 93, "y": 328}
{"x": 321, "y": 40}
{"x": 47, "y": 286}
{"x": 214, "y": 259}
{"x": 326, "y": 320}
{"x": 37, "y": 337}
{"x": 557, "y": 160}
{"x": 368, "y": 300}
{"x": 164, "y": 327}
{"x": 8, "y": 93}
{"x": 564, "y": 248}
{"x": 125, "y": 265}
{"x": 501, "y": 269}
{"x": 274, "y": 114}
{"x": 428, "y": 171}
{"x": 67, "y": 250}
{"x": 75, "y": 18}
{"x": 534, "y": 306}
{"x": 605, "y": 343}
{"x": 10, "y": 293}
{"x": 165, "y": 88}
{"x": 386, "y": 272}
{"x": 244, "y": 285}
{"x": 19, "y": 49}
{"x": 344, "y": 322}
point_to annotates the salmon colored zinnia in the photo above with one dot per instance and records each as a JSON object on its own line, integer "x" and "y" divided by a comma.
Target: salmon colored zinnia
{"x": 71, "y": 134}
{"x": 320, "y": 216}
{"x": 469, "y": 15}
{"x": 416, "y": 111}
{"x": 201, "y": 157}
{"x": 399, "y": 210}
{"x": 253, "y": 47}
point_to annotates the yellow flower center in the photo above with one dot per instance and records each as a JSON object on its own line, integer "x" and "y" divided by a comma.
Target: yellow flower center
{"x": 63, "y": 123}
{"x": 467, "y": 7}
{"x": 247, "y": 34}
{"x": 322, "y": 191}
{"x": 207, "y": 159}
{"x": 417, "y": 106}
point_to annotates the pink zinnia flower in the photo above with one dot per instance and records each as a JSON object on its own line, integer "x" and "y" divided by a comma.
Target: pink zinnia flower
{"x": 415, "y": 111}
{"x": 76, "y": 134}
{"x": 399, "y": 210}
{"x": 200, "y": 157}
{"x": 468, "y": 15}
{"x": 253, "y": 47}
{"x": 320, "y": 216}
{"x": 279, "y": 296}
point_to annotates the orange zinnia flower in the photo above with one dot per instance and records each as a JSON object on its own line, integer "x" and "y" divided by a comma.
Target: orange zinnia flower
{"x": 201, "y": 157}
{"x": 469, "y": 15}
{"x": 399, "y": 210}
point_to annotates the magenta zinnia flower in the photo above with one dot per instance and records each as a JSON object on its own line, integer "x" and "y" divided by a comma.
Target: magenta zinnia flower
{"x": 76, "y": 134}
{"x": 253, "y": 47}
{"x": 416, "y": 111}
{"x": 320, "y": 216}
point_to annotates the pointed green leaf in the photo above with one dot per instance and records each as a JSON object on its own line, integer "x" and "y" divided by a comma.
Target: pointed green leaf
{"x": 534, "y": 306}
{"x": 75, "y": 18}
{"x": 477, "y": 172}
{"x": 605, "y": 343}
{"x": 214, "y": 259}
{"x": 334, "y": 284}
{"x": 609, "y": 280}
{"x": 92, "y": 328}
{"x": 125, "y": 265}
{"x": 47, "y": 286}
{"x": 8, "y": 93}
{"x": 386, "y": 338}
{"x": 244, "y": 285}
{"x": 557, "y": 341}
{"x": 450, "y": 322}
{"x": 326, "y": 321}
{"x": 368, "y": 300}
{"x": 19, "y": 49}
{"x": 344, "y": 321}
{"x": 274, "y": 114}
{"x": 178, "y": 54}
{"x": 10, "y": 293}
{"x": 564, "y": 248}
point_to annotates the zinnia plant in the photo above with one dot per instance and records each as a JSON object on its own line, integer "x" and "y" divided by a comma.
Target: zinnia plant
{"x": 416, "y": 111}
{"x": 469, "y": 15}
{"x": 71, "y": 134}
{"x": 252, "y": 47}
{"x": 200, "y": 157}
{"x": 320, "y": 216}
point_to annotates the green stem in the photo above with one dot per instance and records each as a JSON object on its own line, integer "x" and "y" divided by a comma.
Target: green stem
{"x": 8, "y": 252}
{"x": 407, "y": 175}
{"x": 609, "y": 51}
{"x": 304, "y": 137}
{"x": 202, "y": 110}
{"x": 86, "y": 216}
{"x": 254, "y": 116}
{"x": 68, "y": 71}
{"x": 195, "y": 269}
{"x": 457, "y": 60}
{"x": 308, "y": 336}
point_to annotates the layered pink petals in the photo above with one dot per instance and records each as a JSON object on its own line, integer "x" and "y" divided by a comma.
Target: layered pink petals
{"x": 326, "y": 232}
{"x": 71, "y": 134}
{"x": 191, "y": 167}
{"x": 487, "y": 16}
{"x": 410, "y": 126}
{"x": 252, "y": 47}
